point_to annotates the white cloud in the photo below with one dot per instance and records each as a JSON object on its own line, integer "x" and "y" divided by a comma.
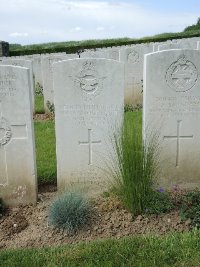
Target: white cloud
{"x": 100, "y": 28}
{"x": 76, "y": 29}
{"x": 18, "y": 34}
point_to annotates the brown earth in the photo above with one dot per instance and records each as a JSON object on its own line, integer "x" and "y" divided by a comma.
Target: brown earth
{"x": 27, "y": 226}
{"x": 43, "y": 117}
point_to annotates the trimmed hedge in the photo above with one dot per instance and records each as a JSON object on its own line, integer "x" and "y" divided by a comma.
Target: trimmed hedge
{"x": 77, "y": 47}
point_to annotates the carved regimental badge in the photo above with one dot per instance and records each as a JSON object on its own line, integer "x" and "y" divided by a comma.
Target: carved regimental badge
{"x": 182, "y": 75}
{"x": 133, "y": 57}
{"x": 88, "y": 79}
{"x": 5, "y": 132}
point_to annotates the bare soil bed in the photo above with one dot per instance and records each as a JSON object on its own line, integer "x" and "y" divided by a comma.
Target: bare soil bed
{"x": 27, "y": 226}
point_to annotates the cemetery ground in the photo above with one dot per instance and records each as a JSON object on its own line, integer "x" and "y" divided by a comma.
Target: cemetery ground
{"x": 114, "y": 236}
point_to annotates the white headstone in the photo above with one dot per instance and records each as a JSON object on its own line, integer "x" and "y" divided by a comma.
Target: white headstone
{"x": 37, "y": 70}
{"x": 134, "y": 60}
{"x": 181, "y": 44}
{"x": 18, "y": 183}
{"x": 26, "y": 64}
{"x": 47, "y": 76}
{"x": 110, "y": 53}
{"x": 172, "y": 110}
{"x": 88, "y": 111}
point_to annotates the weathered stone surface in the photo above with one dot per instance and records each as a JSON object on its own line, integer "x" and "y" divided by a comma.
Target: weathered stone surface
{"x": 133, "y": 57}
{"x": 26, "y": 64}
{"x": 47, "y": 76}
{"x": 18, "y": 184}
{"x": 88, "y": 111}
{"x": 180, "y": 44}
{"x": 103, "y": 53}
{"x": 171, "y": 110}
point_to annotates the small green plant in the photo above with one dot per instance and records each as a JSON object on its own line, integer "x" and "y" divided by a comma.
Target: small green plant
{"x": 190, "y": 207}
{"x": 132, "y": 108}
{"x": 159, "y": 202}
{"x": 50, "y": 107}
{"x": 70, "y": 211}
{"x": 38, "y": 89}
{"x": 135, "y": 166}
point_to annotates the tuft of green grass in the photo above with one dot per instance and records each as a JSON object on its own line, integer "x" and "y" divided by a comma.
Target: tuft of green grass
{"x": 135, "y": 168}
{"x": 45, "y": 151}
{"x": 70, "y": 211}
{"x": 171, "y": 250}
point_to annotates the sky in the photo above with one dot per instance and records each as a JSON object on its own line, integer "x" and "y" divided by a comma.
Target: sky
{"x": 43, "y": 21}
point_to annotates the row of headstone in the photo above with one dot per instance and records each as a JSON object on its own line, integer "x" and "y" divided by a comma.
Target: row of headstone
{"x": 132, "y": 56}
{"x": 89, "y": 101}
{"x": 89, "y": 112}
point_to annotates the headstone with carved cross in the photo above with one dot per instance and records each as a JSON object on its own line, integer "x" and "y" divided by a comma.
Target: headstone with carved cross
{"x": 133, "y": 57}
{"x": 172, "y": 111}
{"x": 17, "y": 152}
{"x": 26, "y": 64}
{"x": 88, "y": 110}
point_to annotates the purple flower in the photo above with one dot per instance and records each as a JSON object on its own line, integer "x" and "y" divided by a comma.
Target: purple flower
{"x": 161, "y": 190}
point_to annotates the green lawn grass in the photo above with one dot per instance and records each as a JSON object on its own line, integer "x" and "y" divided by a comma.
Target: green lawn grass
{"x": 172, "y": 250}
{"x": 39, "y": 104}
{"x": 45, "y": 151}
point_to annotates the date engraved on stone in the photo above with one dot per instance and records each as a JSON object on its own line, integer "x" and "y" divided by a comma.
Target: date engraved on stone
{"x": 133, "y": 57}
{"x": 5, "y": 132}
{"x": 182, "y": 75}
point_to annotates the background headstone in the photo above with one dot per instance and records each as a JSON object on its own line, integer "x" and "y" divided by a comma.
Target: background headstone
{"x": 172, "y": 110}
{"x": 133, "y": 57}
{"x": 26, "y": 64}
{"x": 88, "y": 111}
{"x": 47, "y": 76}
{"x": 18, "y": 183}
{"x": 103, "y": 53}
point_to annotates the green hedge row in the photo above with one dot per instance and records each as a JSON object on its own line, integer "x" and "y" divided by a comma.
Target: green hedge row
{"x": 78, "y": 48}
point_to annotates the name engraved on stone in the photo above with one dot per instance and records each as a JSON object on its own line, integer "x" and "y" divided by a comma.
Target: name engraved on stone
{"x": 182, "y": 75}
{"x": 90, "y": 114}
{"x": 7, "y": 87}
{"x": 185, "y": 104}
{"x": 178, "y": 137}
{"x": 90, "y": 145}
{"x": 133, "y": 57}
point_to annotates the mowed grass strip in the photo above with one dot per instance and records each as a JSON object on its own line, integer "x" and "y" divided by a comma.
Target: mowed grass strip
{"x": 172, "y": 250}
{"x": 45, "y": 142}
{"x": 39, "y": 104}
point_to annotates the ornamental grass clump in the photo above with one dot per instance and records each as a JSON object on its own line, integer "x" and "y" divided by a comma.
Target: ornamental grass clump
{"x": 134, "y": 166}
{"x": 70, "y": 212}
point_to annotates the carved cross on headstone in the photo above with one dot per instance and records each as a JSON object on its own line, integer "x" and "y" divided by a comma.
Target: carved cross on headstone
{"x": 178, "y": 137}
{"x": 8, "y": 133}
{"x": 90, "y": 144}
